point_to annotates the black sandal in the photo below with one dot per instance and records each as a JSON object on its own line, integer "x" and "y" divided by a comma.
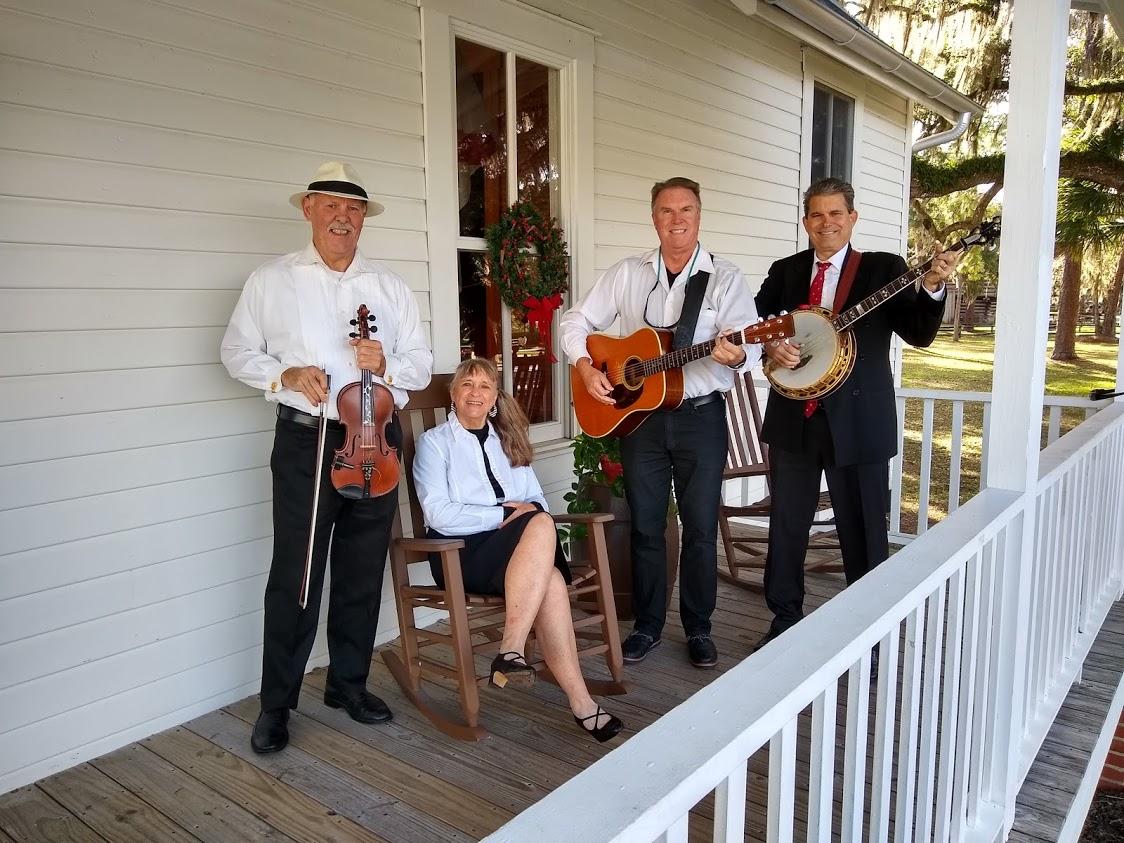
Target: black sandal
{"x": 511, "y": 668}
{"x": 603, "y": 733}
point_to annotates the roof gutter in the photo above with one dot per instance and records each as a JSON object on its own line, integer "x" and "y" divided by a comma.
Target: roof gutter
{"x": 823, "y": 25}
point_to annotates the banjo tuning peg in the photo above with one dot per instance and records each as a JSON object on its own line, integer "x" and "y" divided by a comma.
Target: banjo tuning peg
{"x": 352, "y": 322}
{"x": 353, "y": 335}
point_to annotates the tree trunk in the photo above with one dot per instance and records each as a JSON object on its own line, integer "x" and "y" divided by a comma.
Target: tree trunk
{"x": 1069, "y": 303}
{"x": 956, "y": 316}
{"x": 1106, "y": 327}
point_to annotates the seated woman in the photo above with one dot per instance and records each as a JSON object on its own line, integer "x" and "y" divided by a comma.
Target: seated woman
{"x": 475, "y": 482}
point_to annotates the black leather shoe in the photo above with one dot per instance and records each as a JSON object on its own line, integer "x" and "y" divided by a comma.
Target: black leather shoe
{"x": 271, "y": 732}
{"x": 637, "y": 646}
{"x": 701, "y": 650}
{"x": 362, "y": 707}
{"x": 606, "y": 731}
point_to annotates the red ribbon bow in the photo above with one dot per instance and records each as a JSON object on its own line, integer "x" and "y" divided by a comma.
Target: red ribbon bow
{"x": 540, "y": 313}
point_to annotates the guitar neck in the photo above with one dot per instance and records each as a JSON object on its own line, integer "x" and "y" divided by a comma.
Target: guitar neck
{"x": 853, "y": 314}
{"x": 680, "y": 357}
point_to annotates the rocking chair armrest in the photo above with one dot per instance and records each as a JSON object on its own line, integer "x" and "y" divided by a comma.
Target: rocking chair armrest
{"x": 583, "y": 518}
{"x": 429, "y": 545}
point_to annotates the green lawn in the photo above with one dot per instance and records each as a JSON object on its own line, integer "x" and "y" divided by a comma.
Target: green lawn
{"x": 966, "y": 366}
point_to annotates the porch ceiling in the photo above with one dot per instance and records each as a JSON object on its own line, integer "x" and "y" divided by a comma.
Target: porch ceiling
{"x": 825, "y": 25}
{"x": 1114, "y": 9}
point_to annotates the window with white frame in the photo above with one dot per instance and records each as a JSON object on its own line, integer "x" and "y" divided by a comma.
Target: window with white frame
{"x": 507, "y": 150}
{"x": 833, "y": 128}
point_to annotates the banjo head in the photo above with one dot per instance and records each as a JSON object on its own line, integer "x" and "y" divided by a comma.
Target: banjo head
{"x": 825, "y": 357}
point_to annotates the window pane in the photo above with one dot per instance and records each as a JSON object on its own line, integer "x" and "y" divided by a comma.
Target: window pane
{"x": 842, "y": 112}
{"x": 821, "y": 133}
{"x": 536, "y": 118}
{"x": 480, "y": 311}
{"x": 481, "y": 133}
{"x": 532, "y": 373}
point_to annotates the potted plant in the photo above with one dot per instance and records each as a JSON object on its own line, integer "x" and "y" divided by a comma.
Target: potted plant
{"x": 599, "y": 487}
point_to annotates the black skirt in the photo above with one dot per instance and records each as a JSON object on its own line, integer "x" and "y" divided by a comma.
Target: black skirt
{"x": 485, "y": 556}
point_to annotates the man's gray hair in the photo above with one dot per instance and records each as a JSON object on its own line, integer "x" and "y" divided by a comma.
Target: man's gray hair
{"x": 677, "y": 181}
{"x": 830, "y": 187}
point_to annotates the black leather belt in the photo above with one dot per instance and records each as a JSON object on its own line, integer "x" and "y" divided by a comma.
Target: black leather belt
{"x": 701, "y": 401}
{"x": 287, "y": 413}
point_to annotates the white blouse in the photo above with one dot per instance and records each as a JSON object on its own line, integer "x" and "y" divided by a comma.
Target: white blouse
{"x": 456, "y": 496}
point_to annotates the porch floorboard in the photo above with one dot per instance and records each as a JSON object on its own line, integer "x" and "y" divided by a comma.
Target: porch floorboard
{"x": 1055, "y": 776}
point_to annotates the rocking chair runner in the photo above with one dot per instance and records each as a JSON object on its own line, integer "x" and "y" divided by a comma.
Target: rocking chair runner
{"x": 474, "y": 615}
{"x": 748, "y": 457}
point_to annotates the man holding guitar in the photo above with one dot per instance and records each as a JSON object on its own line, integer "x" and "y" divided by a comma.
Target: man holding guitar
{"x": 851, "y": 433}
{"x": 679, "y": 287}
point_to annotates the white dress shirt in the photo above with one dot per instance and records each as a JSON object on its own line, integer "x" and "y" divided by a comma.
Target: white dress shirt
{"x": 456, "y": 496}
{"x": 295, "y": 311}
{"x": 627, "y": 287}
{"x": 831, "y": 279}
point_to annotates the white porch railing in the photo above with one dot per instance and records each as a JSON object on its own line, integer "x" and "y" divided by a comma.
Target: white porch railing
{"x": 952, "y": 609}
{"x": 963, "y": 454}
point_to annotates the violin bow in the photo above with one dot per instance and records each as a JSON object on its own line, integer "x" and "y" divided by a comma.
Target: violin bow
{"x": 321, "y": 435}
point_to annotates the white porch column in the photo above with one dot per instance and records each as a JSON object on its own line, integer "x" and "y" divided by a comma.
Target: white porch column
{"x": 1038, "y": 42}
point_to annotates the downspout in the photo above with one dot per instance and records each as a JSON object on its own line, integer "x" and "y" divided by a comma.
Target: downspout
{"x": 941, "y": 138}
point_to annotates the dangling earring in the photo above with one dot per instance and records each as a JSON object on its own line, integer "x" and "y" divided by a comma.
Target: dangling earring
{"x": 492, "y": 412}
{"x": 452, "y": 409}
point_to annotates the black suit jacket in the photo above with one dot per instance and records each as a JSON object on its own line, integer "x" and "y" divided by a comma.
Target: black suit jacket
{"x": 861, "y": 413}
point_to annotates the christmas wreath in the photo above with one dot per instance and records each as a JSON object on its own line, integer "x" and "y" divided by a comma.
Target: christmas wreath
{"x": 528, "y": 262}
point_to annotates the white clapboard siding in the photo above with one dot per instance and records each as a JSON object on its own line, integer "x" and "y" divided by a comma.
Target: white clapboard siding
{"x": 696, "y": 89}
{"x": 147, "y": 153}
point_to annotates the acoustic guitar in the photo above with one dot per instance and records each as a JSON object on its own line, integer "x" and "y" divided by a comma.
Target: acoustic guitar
{"x": 647, "y": 375}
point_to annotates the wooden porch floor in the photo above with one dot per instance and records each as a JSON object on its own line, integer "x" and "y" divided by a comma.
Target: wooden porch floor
{"x": 403, "y": 781}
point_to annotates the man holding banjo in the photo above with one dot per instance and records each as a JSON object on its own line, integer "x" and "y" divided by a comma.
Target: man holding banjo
{"x": 851, "y": 433}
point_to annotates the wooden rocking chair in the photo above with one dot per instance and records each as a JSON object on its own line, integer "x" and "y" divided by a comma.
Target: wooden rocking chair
{"x": 475, "y": 622}
{"x": 748, "y": 458}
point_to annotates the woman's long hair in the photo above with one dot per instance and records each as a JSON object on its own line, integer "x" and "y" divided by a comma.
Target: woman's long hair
{"x": 510, "y": 422}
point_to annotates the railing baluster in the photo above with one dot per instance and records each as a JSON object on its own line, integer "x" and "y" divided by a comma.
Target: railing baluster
{"x": 884, "y": 710}
{"x": 1054, "y": 426}
{"x": 782, "y": 783}
{"x": 1058, "y": 610}
{"x": 954, "y": 456}
{"x": 926, "y": 466}
{"x": 927, "y": 762}
{"x": 729, "y": 806}
{"x": 950, "y": 701}
{"x": 821, "y": 768}
{"x": 896, "y": 474}
{"x": 968, "y": 727}
{"x": 907, "y": 739}
{"x": 983, "y": 444}
{"x": 1038, "y": 601}
{"x": 677, "y": 833}
{"x": 981, "y": 683}
{"x": 854, "y": 750}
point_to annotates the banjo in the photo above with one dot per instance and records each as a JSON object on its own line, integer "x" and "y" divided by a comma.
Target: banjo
{"x": 827, "y": 344}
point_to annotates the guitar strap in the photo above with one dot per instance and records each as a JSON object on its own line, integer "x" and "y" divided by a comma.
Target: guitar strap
{"x": 846, "y": 278}
{"x": 692, "y": 304}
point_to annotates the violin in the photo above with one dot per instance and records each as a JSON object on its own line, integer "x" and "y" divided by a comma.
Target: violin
{"x": 366, "y": 465}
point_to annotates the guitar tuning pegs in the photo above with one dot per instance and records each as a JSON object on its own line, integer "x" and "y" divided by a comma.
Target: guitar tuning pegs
{"x": 353, "y": 335}
{"x": 371, "y": 318}
{"x": 352, "y": 322}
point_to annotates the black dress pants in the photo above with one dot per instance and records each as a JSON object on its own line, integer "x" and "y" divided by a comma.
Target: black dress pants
{"x": 686, "y": 446}
{"x": 359, "y": 531}
{"x": 859, "y": 498}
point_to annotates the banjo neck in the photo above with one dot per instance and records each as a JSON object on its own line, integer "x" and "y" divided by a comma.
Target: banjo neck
{"x": 856, "y": 312}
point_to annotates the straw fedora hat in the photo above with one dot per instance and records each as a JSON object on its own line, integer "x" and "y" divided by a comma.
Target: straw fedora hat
{"x": 338, "y": 179}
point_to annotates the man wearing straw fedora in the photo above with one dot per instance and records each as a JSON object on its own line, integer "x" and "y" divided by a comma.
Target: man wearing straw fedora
{"x": 287, "y": 335}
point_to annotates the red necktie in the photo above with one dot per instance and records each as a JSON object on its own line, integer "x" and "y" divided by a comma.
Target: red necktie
{"x": 814, "y": 296}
